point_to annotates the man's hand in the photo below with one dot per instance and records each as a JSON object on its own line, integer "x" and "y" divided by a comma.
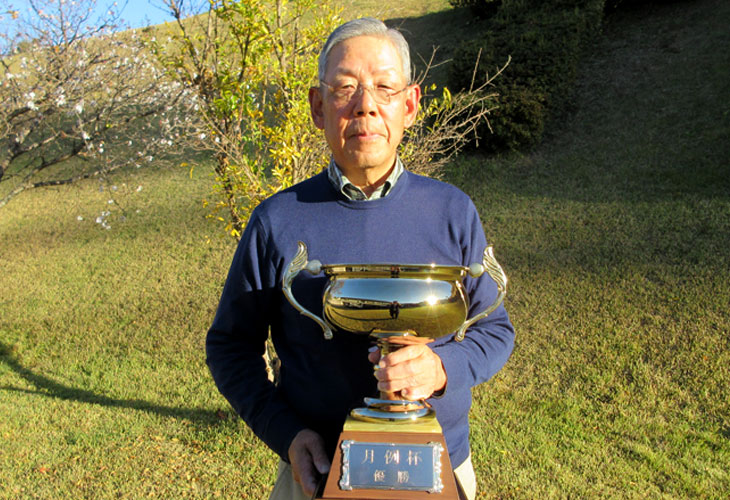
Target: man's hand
{"x": 414, "y": 370}
{"x": 308, "y": 459}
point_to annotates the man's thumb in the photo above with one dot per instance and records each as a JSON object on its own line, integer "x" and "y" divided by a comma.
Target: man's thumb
{"x": 319, "y": 458}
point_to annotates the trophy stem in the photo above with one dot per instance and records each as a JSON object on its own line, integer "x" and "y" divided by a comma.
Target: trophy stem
{"x": 389, "y": 342}
{"x": 390, "y": 406}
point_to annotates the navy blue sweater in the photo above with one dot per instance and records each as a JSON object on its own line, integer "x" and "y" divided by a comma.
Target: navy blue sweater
{"x": 421, "y": 221}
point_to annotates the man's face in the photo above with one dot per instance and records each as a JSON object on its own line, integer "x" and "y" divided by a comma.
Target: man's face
{"x": 363, "y": 134}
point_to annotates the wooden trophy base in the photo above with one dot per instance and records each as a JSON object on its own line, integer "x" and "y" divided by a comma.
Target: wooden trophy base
{"x": 377, "y": 461}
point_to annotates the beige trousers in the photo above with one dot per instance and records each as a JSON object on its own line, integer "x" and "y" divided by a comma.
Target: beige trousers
{"x": 288, "y": 489}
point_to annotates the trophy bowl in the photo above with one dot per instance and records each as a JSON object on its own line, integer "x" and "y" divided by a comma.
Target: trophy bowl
{"x": 427, "y": 300}
{"x": 396, "y": 305}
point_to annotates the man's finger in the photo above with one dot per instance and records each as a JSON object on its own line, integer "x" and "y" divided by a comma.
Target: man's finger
{"x": 396, "y": 385}
{"x": 306, "y": 477}
{"x": 374, "y": 355}
{"x": 415, "y": 364}
{"x": 320, "y": 459}
{"x": 416, "y": 393}
{"x": 403, "y": 354}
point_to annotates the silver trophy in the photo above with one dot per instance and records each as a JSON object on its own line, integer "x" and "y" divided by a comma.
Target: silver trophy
{"x": 396, "y": 305}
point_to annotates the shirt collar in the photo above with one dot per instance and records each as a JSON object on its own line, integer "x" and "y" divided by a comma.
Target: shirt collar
{"x": 342, "y": 184}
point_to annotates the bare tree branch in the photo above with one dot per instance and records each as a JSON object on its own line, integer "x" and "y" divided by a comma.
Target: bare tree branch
{"x": 68, "y": 95}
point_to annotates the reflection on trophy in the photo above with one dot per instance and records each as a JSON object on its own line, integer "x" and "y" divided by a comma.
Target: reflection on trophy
{"x": 393, "y": 448}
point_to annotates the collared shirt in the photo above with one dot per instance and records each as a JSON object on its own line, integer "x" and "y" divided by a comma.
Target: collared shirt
{"x": 342, "y": 184}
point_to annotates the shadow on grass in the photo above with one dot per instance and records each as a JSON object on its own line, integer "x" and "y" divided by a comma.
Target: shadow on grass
{"x": 50, "y": 388}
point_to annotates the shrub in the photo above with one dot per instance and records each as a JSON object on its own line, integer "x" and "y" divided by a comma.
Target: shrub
{"x": 544, "y": 41}
{"x": 480, "y": 8}
{"x": 519, "y": 119}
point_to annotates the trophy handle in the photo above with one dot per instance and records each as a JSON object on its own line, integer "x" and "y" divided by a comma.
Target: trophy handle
{"x": 492, "y": 267}
{"x": 313, "y": 267}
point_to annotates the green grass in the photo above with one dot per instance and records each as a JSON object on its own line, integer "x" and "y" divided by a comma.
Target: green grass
{"x": 103, "y": 386}
{"x": 615, "y": 235}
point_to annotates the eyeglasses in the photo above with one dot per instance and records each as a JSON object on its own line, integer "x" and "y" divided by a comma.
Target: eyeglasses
{"x": 345, "y": 93}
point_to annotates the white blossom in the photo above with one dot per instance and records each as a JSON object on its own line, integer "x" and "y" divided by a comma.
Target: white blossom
{"x": 86, "y": 95}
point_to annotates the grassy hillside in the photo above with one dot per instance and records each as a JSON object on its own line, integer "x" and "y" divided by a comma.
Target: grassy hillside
{"x": 615, "y": 235}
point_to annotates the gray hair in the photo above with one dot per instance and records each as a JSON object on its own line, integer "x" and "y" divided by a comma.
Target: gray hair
{"x": 366, "y": 26}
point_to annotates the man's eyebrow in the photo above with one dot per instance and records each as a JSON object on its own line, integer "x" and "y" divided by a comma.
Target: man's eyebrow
{"x": 390, "y": 71}
{"x": 376, "y": 78}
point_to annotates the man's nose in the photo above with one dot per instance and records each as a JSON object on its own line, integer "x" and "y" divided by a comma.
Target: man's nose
{"x": 364, "y": 102}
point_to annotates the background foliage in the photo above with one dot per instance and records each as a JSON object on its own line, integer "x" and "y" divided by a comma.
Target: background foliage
{"x": 250, "y": 65}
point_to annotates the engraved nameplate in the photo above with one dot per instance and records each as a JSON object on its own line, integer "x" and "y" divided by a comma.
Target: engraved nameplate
{"x": 391, "y": 466}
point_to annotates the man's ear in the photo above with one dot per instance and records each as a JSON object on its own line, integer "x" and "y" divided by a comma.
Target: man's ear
{"x": 315, "y": 107}
{"x": 413, "y": 98}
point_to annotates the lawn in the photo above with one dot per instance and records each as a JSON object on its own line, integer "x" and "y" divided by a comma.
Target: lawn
{"x": 615, "y": 234}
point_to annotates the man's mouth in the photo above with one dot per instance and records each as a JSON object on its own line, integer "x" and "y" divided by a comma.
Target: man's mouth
{"x": 365, "y": 135}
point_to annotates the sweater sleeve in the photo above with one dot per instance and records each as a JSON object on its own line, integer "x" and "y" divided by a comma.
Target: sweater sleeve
{"x": 235, "y": 343}
{"x": 489, "y": 342}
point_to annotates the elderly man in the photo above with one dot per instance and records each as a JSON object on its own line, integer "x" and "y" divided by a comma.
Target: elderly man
{"x": 365, "y": 207}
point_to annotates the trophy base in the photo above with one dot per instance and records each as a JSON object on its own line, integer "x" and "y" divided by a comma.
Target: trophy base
{"x": 400, "y": 417}
{"x": 380, "y": 461}
{"x": 392, "y": 411}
